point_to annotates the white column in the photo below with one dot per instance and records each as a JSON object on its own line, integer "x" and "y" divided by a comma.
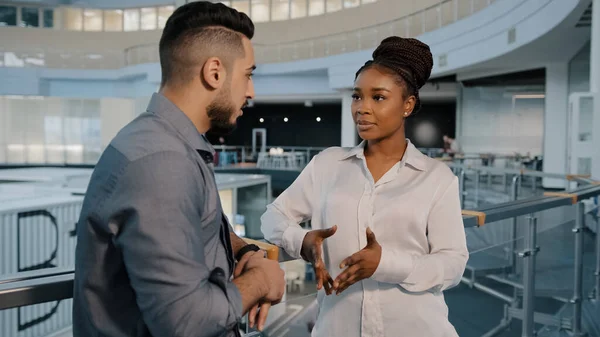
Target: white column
{"x": 555, "y": 123}
{"x": 349, "y": 135}
{"x": 595, "y": 87}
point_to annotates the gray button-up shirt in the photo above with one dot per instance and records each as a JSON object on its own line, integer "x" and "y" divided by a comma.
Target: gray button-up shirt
{"x": 153, "y": 254}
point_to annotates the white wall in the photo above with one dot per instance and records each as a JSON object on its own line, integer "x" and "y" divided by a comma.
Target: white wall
{"x": 492, "y": 121}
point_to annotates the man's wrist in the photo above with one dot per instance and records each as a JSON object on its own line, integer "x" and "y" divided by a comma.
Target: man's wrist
{"x": 245, "y": 249}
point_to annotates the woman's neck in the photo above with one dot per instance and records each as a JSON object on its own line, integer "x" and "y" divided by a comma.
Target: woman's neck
{"x": 392, "y": 147}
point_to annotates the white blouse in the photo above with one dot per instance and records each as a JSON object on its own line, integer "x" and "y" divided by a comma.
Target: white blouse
{"x": 414, "y": 211}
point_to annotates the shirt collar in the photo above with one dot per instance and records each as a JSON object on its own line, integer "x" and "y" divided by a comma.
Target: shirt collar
{"x": 162, "y": 106}
{"x": 412, "y": 155}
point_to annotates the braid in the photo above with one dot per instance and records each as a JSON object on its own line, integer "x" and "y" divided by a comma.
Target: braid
{"x": 408, "y": 58}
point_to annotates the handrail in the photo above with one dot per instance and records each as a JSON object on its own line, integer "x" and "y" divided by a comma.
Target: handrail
{"x": 363, "y": 38}
{"x": 52, "y": 285}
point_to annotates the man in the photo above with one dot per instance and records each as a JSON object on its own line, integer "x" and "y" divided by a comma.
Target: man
{"x": 154, "y": 255}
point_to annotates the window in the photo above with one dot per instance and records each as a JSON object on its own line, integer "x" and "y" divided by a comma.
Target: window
{"x": 30, "y": 17}
{"x": 280, "y": 10}
{"x": 48, "y": 18}
{"x": 334, "y": 5}
{"x": 316, "y": 7}
{"x": 260, "y": 10}
{"x": 8, "y": 16}
{"x": 92, "y": 20}
{"x": 113, "y": 20}
{"x": 132, "y": 20}
{"x": 148, "y": 18}
{"x": 298, "y": 9}
{"x": 163, "y": 15}
{"x": 351, "y": 3}
{"x": 73, "y": 18}
{"x": 241, "y": 6}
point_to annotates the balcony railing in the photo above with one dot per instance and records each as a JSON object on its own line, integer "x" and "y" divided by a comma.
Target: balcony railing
{"x": 518, "y": 269}
{"x": 429, "y": 19}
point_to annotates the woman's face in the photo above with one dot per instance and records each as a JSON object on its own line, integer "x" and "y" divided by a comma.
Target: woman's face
{"x": 379, "y": 106}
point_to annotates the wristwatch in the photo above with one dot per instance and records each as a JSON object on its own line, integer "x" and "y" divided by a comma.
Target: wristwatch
{"x": 247, "y": 248}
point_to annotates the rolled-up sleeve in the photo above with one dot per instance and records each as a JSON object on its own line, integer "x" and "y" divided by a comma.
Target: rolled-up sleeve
{"x": 157, "y": 211}
{"x": 443, "y": 267}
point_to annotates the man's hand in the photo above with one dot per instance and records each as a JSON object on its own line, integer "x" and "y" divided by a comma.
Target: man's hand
{"x": 241, "y": 265}
{"x": 258, "y": 313}
{"x": 312, "y": 251}
{"x": 360, "y": 265}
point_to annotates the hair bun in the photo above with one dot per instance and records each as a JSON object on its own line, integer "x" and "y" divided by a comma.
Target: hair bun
{"x": 407, "y": 53}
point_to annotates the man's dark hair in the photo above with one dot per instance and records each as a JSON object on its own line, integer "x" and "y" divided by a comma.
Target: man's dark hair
{"x": 199, "y": 30}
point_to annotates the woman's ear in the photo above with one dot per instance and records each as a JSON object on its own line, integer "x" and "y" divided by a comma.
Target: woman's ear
{"x": 409, "y": 105}
{"x": 213, "y": 73}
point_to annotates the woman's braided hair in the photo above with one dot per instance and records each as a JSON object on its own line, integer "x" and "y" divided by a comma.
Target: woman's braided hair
{"x": 409, "y": 59}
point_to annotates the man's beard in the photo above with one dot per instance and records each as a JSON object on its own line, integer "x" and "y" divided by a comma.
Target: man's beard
{"x": 220, "y": 112}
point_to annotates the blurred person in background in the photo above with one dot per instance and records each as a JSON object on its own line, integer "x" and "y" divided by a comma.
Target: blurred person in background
{"x": 387, "y": 233}
{"x": 155, "y": 255}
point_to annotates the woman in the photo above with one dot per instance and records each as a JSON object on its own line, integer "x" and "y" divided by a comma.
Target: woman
{"x": 388, "y": 234}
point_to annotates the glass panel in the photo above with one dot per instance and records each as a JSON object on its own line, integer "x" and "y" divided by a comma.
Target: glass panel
{"x": 148, "y": 18}
{"x": 464, "y": 8}
{"x": 432, "y": 18}
{"x": 368, "y": 1}
{"x": 92, "y": 20}
{"x": 586, "y": 119}
{"x": 91, "y": 135}
{"x": 17, "y": 123}
{"x": 351, "y": 3}
{"x": 242, "y": 6}
{"x": 113, "y": 20}
{"x": 281, "y": 10}
{"x": 260, "y": 10}
{"x": 34, "y": 131}
{"x": 73, "y": 131}
{"x": 132, "y": 20}
{"x": 479, "y": 5}
{"x": 48, "y": 18}
{"x": 334, "y": 5}
{"x": 163, "y": 15}
{"x": 30, "y": 17}
{"x": 316, "y": 7}
{"x": 73, "y": 18}
{"x": 447, "y": 13}
{"x": 299, "y": 8}
{"x": 8, "y": 16}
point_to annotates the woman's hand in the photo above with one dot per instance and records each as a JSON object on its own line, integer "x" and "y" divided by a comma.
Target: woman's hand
{"x": 360, "y": 265}
{"x": 312, "y": 251}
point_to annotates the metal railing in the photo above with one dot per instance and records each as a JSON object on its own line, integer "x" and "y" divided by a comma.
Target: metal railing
{"x": 53, "y": 285}
{"x": 426, "y": 20}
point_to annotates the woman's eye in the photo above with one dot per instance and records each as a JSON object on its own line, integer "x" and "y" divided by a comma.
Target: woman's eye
{"x": 355, "y": 97}
{"x": 378, "y": 98}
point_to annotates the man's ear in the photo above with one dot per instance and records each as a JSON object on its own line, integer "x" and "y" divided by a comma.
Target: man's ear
{"x": 213, "y": 73}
